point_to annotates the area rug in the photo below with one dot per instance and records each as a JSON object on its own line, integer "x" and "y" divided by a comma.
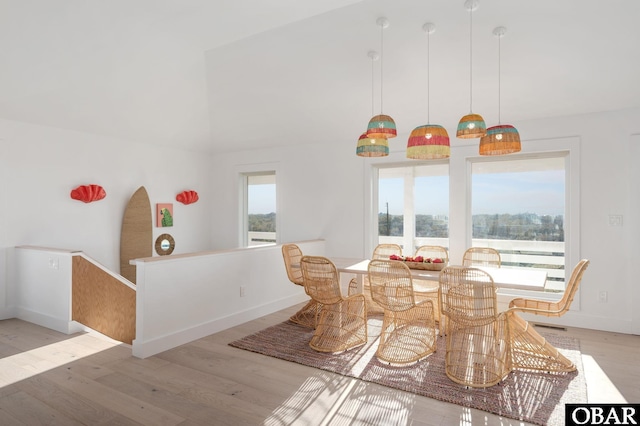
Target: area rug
{"x": 532, "y": 397}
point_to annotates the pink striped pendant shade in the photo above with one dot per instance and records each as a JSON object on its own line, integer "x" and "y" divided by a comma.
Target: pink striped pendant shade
{"x": 428, "y": 142}
{"x": 381, "y": 126}
{"x": 499, "y": 140}
{"x": 369, "y": 147}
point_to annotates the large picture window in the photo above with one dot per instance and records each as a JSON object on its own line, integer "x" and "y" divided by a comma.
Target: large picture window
{"x": 518, "y": 207}
{"x": 526, "y": 205}
{"x": 413, "y": 206}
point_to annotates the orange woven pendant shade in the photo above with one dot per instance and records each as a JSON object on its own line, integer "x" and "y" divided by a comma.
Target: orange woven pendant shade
{"x": 499, "y": 140}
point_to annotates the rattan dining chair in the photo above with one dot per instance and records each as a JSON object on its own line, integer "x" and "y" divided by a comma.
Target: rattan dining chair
{"x": 342, "y": 321}
{"x": 553, "y": 309}
{"x": 529, "y": 350}
{"x": 477, "y": 347}
{"x": 381, "y": 251}
{"x": 428, "y": 289}
{"x": 433, "y": 252}
{"x": 481, "y": 256}
{"x": 408, "y": 329}
{"x": 307, "y": 315}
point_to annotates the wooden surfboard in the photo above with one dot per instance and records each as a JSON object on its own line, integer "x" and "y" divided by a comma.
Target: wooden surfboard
{"x": 136, "y": 237}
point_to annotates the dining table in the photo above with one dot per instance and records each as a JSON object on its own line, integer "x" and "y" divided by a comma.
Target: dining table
{"x": 424, "y": 280}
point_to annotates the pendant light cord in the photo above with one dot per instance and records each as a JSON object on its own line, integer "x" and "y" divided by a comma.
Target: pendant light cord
{"x": 499, "y": 85}
{"x": 428, "y": 77}
{"x": 372, "y": 83}
{"x": 471, "y": 58}
{"x": 381, "y": 59}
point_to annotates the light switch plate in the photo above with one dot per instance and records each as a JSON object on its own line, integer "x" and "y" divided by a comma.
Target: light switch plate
{"x": 615, "y": 220}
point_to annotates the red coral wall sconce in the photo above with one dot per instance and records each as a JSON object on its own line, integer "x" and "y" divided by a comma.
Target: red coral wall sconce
{"x": 88, "y": 193}
{"x": 187, "y": 197}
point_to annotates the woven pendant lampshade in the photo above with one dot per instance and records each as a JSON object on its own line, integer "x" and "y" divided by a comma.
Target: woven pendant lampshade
{"x": 430, "y": 141}
{"x": 368, "y": 147}
{"x": 471, "y": 125}
{"x": 500, "y": 140}
{"x": 503, "y": 138}
{"x": 372, "y": 146}
{"x": 381, "y": 125}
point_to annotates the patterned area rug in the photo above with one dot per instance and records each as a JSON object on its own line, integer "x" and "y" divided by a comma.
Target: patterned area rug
{"x": 528, "y": 396}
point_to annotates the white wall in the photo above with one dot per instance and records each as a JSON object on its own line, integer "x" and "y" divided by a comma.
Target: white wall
{"x": 39, "y": 166}
{"x": 322, "y": 196}
{"x": 183, "y": 298}
{"x": 319, "y": 195}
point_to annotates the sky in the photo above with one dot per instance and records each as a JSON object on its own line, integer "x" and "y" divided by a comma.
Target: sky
{"x": 262, "y": 199}
{"x": 540, "y": 192}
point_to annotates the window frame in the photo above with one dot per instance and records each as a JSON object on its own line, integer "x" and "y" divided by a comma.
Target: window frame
{"x": 460, "y": 223}
{"x": 243, "y": 173}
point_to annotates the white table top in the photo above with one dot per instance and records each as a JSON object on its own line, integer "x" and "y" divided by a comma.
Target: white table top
{"x": 523, "y": 279}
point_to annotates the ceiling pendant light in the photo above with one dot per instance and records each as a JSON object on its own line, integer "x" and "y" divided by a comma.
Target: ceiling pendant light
{"x": 503, "y": 138}
{"x": 372, "y": 147}
{"x": 430, "y": 141}
{"x": 471, "y": 125}
{"x": 381, "y": 126}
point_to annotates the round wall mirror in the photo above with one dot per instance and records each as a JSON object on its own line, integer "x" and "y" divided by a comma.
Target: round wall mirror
{"x": 165, "y": 244}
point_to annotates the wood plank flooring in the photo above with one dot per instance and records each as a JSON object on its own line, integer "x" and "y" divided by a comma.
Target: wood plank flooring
{"x": 49, "y": 378}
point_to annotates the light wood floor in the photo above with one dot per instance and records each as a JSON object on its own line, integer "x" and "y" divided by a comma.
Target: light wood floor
{"x": 48, "y": 378}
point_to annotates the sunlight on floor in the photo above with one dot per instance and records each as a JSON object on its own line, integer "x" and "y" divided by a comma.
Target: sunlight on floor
{"x": 27, "y": 364}
{"x": 327, "y": 399}
{"x": 600, "y": 389}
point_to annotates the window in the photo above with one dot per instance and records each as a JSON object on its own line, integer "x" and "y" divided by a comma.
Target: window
{"x": 518, "y": 207}
{"x": 260, "y": 208}
{"x": 527, "y": 205}
{"x": 413, "y": 206}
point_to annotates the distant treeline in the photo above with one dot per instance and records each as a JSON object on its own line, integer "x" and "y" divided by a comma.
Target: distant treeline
{"x": 262, "y": 222}
{"x": 523, "y": 226}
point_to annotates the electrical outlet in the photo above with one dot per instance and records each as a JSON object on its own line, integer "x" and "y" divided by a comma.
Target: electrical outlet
{"x": 602, "y": 297}
{"x": 615, "y": 220}
{"x": 243, "y": 291}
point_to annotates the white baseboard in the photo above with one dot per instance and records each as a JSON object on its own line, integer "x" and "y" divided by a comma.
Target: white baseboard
{"x": 57, "y": 324}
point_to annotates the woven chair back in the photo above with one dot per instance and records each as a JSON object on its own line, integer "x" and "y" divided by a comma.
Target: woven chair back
{"x": 572, "y": 287}
{"x": 468, "y": 294}
{"x": 383, "y": 251}
{"x": 391, "y": 285}
{"x": 321, "y": 279}
{"x": 433, "y": 252}
{"x": 481, "y": 256}
{"x": 292, "y": 255}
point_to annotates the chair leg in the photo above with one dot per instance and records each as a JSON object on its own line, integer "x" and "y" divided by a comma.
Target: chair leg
{"x": 308, "y": 315}
{"x": 341, "y": 326}
{"x": 531, "y": 351}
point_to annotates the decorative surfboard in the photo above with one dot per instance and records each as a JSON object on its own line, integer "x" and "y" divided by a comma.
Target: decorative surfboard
{"x": 136, "y": 237}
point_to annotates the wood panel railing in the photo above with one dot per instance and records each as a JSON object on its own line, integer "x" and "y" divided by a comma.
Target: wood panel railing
{"x": 102, "y": 301}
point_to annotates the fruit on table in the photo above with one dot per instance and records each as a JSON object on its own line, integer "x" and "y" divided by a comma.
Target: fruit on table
{"x": 418, "y": 259}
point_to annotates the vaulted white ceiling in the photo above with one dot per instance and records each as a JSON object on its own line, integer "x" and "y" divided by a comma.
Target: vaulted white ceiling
{"x": 240, "y": 74}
